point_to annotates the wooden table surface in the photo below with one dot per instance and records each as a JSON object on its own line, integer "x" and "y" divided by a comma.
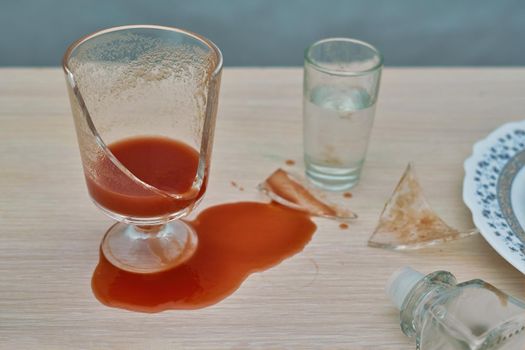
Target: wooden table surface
{"x": 330, "y": 296}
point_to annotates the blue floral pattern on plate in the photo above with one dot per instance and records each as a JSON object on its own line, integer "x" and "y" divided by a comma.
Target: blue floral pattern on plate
{"x": 489, "y": 175}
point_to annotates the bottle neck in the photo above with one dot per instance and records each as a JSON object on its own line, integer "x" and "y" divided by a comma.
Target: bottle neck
{"x": 421, "y": 297}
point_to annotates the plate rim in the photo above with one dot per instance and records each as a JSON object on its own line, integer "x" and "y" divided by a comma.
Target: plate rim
{"x": 469, "y": 165}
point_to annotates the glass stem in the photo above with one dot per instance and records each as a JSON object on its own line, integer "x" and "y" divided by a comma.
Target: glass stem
{"x": 150, "y": 229}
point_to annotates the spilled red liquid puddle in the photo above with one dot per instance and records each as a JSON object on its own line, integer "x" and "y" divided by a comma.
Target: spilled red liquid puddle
{"x": 235, "y": 240}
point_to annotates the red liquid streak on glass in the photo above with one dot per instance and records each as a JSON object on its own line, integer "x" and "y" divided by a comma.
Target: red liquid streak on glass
{"x": 163, "y": 163}
{"x": 234, "y": 240}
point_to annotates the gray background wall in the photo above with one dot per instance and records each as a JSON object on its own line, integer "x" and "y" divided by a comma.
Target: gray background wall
{"x": 275, "y": 32}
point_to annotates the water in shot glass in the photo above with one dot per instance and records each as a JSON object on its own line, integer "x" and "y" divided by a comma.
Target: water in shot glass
{"x": 341, "y": 85}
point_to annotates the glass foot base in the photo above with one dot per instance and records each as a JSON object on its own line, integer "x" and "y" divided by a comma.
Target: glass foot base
{"x": 333, "y": 179}
{"x": 149, "y": 249}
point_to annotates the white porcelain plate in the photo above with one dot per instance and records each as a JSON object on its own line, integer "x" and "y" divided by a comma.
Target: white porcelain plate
{"x": 494, "y": 191}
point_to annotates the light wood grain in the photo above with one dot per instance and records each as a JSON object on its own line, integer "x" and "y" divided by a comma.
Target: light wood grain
{"x": 329, "y": 296}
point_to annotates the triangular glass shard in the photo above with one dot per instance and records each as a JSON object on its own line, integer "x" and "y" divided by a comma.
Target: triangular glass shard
{"x": 287, "y": 190}
{"x": 408, "y": 221}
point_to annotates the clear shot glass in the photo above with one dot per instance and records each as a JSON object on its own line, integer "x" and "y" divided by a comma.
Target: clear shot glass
{"x": 341, "y": 85}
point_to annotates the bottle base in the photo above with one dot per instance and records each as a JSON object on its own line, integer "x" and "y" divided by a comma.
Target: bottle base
{"x": 333, "y": 178}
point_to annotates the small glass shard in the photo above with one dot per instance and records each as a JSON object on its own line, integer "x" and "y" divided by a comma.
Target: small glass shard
{"x": 408, "y": 221}
{"x": 288, "y": 191}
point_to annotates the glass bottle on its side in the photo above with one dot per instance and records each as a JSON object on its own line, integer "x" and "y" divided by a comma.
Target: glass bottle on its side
{"x": 444, "y": 315}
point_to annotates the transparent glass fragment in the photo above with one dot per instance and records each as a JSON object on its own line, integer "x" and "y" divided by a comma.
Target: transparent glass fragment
{"x": 287, "y": 190}
{"x": 408, "y": 221}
